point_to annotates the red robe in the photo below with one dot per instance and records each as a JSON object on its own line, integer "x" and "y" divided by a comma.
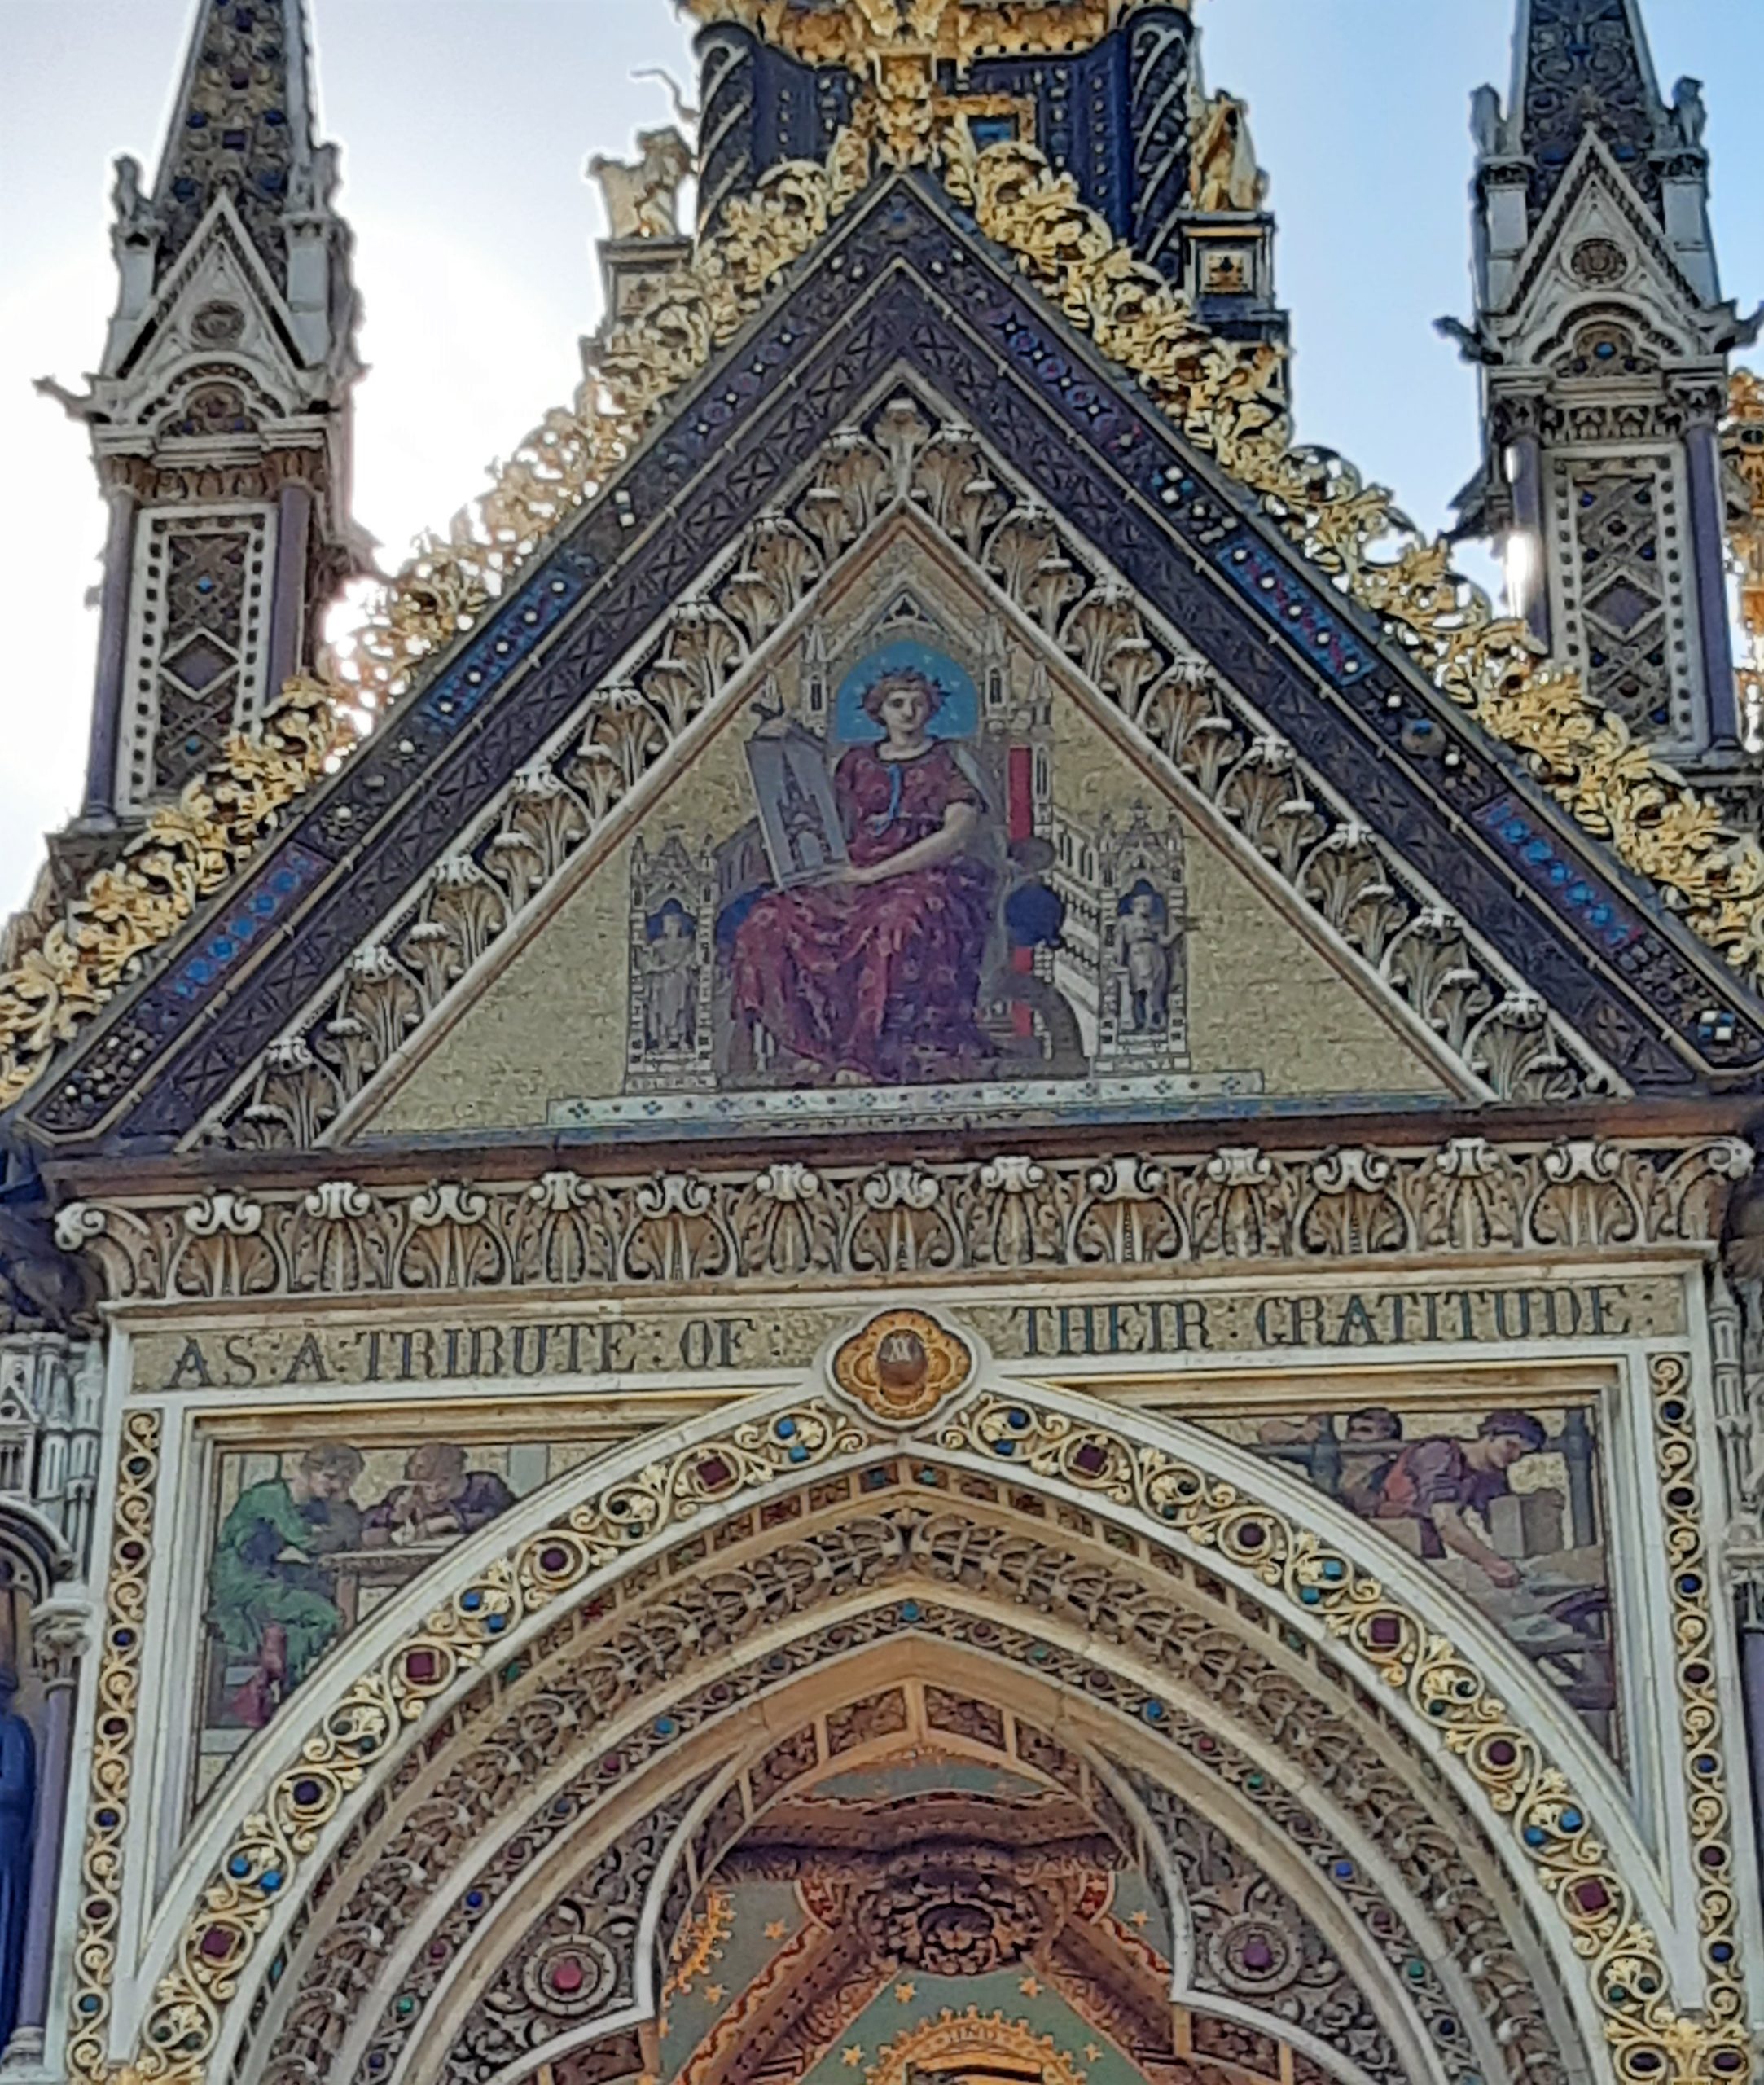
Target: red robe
{"x": 880, "y": 979}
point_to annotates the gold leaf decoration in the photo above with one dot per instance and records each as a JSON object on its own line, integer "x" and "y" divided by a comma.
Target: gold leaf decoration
{"x": 63, "y": 966}
{"x": 1226, "y": 397}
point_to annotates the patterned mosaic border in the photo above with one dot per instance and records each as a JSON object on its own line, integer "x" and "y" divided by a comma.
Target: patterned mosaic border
{"x": 1650, "y": 2042}
{"x": 863, "y": 1527}
{"x": 112, "y": 1773}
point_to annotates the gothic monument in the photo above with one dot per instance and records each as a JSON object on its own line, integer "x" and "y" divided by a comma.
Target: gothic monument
{"x": 923, "y": 1247}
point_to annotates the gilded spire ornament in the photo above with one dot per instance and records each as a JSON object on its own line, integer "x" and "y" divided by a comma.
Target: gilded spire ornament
{"x": 902, "y": 51}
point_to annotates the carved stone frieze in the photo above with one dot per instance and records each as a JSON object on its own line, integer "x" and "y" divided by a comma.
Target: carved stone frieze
{"x": 784, "y": 1223}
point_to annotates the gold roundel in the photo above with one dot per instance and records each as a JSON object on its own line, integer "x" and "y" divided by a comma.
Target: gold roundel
{"x": 903, "y": 1365}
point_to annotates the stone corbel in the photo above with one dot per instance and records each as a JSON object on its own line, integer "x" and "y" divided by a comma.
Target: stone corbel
{"x": 61, "y": 1636}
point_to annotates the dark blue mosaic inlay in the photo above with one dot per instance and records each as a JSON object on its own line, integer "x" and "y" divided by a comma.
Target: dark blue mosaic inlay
{"x": 261, "y": 904}
{"x": 1533, "y": 852}
{"x": 1309, "y": 619}
{"x": 486, "y": 663}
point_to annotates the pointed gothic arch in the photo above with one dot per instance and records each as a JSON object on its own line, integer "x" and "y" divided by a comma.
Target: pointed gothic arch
{"x": 1122, "y": 1560}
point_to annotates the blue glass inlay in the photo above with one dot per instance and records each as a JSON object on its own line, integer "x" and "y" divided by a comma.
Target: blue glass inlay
{"x": 260, "y": 903}
{"x": 503, "y": 647}
{"x": 1534, "y": 852}
{"x": 1263, "y": 578}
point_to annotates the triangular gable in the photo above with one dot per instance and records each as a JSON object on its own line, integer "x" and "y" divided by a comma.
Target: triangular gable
{"x": 1128, "y": 933}
{"x": 1593, "y": 185}
{"x": 900, "y": 286}
{"x": 221, "y": 262}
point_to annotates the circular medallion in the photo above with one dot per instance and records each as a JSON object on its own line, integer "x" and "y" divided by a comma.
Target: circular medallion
{"x": 903, "y": 1365}
{"x": 1599, "y": 262}
{"x": 1253, "y": 1956}
{"x": 570, "y": 1976}
{"x": 218, "y": 324}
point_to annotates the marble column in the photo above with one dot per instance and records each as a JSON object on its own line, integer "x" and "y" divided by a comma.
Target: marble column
{"x": 59, "y": 1636}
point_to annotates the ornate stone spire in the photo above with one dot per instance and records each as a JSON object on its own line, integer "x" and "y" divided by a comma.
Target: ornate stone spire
{"x": 220, "y": 412}
{"x": 1584, "y": 66}
{"x": 1605, "y": 342}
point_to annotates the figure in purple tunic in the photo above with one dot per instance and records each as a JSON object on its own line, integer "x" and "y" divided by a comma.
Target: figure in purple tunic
{"x": 439, "y": 1497}
{"x": 874, "y": 974}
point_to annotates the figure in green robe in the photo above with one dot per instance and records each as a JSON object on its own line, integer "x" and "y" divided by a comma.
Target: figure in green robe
{"x": 268, "y": 1594}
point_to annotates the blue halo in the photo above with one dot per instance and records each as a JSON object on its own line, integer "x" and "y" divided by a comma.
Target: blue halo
{"x": 958, "y": 716}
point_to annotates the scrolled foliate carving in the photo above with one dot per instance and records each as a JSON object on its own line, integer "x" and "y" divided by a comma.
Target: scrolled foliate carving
{"x": 1168, "y": 1503}
{"x": 578, "y": 1961}
{"x": 785, "y": 1220}
{"x": 1253, "y": 1942}
{"x": 182, "y": 2024}
{"x": 63, "y": 963}
{"x": 517, "y": 1727}
{"x": 1552, "y": 1824}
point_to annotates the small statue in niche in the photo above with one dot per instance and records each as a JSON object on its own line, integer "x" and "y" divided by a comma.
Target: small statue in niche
{"x": 670, "y": 979}
{"x": 1222, "y": 173}
{"x": 643, "y": 199}
{"x": 1145, "y": 946}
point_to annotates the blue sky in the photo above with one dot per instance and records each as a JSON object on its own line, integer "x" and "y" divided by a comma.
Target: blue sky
{"x": 465, "y": 124}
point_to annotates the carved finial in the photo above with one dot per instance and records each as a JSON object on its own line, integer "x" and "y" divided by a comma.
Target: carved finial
{"x": 70, "y": 401}
{"x": 643, "y": 199}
